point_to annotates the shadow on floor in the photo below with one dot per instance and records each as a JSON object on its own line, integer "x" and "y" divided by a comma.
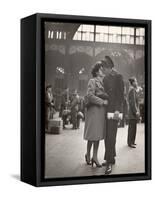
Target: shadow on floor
{"x": 16, "y": 176}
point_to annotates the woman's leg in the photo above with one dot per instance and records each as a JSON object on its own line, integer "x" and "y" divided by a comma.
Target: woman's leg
{"x": 95, "y": 151}
{"x": 87, "y": 155}
{"x": 89, "y": 145}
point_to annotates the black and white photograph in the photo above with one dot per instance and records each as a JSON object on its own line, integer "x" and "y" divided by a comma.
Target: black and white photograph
{"x": 77, "y": 100}
{"x": 94, "y": 99}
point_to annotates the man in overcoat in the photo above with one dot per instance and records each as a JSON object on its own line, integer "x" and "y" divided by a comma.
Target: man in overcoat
{"x": 114, "y": 87}
{"x": 133, "y": 114}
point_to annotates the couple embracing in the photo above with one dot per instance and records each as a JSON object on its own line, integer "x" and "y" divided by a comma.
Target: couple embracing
{"x": 105, "y": 95}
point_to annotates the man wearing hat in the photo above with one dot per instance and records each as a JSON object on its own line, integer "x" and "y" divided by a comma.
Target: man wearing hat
{"x": 114, "y": 87}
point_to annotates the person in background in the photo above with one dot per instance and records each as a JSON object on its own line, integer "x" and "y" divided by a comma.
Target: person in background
{"x": 65, "y": 105}
{"x": 74, "y": 109}
{"x": 94, "y": 129}
{"x": 65, "y": 99}
{"x": 133, "y": 114}
{"x": 49, "y": 105}
{"x": 114, "y": 87}
{"x": 80, "y": 115}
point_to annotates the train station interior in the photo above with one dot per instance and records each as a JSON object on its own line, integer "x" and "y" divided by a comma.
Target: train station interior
{"x": 71, "y": 50}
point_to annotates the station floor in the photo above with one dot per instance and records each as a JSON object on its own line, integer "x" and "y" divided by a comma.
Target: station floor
{"x": 64, "y": 154}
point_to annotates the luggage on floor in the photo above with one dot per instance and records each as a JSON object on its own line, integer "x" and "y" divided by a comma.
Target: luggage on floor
{"x": 55, "y": 126}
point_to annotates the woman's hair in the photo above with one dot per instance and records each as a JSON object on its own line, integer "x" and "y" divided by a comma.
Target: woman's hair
{"x": 96, "y": 68}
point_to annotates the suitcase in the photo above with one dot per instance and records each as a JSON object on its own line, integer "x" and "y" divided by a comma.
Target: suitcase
{"x": 55, "y": 126}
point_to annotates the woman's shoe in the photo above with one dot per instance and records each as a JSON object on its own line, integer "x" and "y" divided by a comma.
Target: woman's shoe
{"x": 88, "y": 161}
{"x": 95, "y": 162}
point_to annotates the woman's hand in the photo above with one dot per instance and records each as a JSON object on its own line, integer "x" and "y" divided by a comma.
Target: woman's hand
{"x": 105, "y": 102}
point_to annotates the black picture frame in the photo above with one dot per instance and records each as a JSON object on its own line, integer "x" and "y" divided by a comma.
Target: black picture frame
{"x": 32, "y": 99}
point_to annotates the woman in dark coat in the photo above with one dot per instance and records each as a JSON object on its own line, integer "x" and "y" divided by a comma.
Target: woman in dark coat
{"x": 95, "y": 115}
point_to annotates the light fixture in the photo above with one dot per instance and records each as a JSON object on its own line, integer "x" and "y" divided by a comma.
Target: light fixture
{"x": 82, "y": 70}
{"x": 60, "y": 69}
